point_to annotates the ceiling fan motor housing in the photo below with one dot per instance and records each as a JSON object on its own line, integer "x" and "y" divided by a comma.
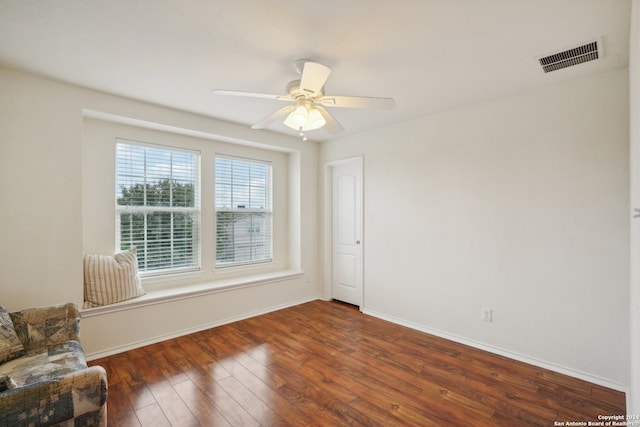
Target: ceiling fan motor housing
{"x": 293, "y": 89}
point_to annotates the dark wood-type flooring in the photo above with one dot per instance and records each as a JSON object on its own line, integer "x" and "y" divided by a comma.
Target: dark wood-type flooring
{"x": 326, "y": 364}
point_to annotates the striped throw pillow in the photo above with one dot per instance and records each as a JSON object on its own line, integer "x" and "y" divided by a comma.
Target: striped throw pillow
{"x": 111, "y": 279}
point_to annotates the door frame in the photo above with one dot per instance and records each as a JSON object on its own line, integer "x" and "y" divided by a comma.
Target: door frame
{"x": 328, "y": 224}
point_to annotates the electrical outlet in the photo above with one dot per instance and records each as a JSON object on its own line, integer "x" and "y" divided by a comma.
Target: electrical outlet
{"x": 486, "y": 314}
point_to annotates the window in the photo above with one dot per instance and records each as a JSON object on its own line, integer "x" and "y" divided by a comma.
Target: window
{"x": 158, "y": 206}
{"x": 243, "y": 211}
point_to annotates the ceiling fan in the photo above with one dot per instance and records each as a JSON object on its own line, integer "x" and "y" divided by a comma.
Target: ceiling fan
{"x": 307, "y": 101}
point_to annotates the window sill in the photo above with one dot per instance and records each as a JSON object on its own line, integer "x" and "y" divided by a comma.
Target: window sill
{"x": 177, "y": 293}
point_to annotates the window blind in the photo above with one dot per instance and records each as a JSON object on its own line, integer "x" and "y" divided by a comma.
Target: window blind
{"x": 243, "y": 211}
{"x": 158, "y": 205}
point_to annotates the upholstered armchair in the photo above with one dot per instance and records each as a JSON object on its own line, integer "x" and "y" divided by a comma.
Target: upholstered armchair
{"x": 44, "y": 378}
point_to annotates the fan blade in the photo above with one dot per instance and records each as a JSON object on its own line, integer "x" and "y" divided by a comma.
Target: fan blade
{"x": 252, "y": 94}
{"x": 357, "y": 102}
{"x": 332, "y": 125}
{"x": 273, "y": 117}
{"x": 314, "y": 76}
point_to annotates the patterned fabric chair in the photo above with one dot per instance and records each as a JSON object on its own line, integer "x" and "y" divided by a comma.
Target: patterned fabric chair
{"x": 48, "y": 381}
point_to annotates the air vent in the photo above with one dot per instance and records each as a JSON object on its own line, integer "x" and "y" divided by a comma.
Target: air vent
{"x": 570, "y": 57}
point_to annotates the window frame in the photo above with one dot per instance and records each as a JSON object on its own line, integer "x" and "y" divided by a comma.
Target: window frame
{"x": 99, "y": 187}
{"x": 267, "y": 211}
{"x": 194, "y": 211}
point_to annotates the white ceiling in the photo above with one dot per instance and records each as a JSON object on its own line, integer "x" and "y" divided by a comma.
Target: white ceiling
{"x": 430, "y": 55}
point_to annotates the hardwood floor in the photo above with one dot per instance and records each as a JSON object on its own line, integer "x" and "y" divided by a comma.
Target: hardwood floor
{"x": 327, "y": 364}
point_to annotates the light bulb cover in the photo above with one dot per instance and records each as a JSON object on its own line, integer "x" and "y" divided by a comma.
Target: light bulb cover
{"x": 315, "y": 120}
{"x": 297, "y": 118}
{"x": 305, "y": 117}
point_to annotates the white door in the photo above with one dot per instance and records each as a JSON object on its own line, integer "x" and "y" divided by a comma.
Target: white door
{"x": 346, "y": 224}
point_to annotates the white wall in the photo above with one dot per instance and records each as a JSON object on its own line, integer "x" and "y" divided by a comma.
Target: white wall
{"x": 520, "y": 205}
{"x": 633, "y": 397}
{"x": 41, "y": 215}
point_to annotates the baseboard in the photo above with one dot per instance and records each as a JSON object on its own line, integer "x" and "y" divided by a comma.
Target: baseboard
{"x": 502, "y": 352}
{"x": 142, "y": 343}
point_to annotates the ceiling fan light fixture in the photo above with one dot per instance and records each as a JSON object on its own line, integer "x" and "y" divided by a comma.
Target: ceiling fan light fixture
{"x": 298, "y": 118}
{"x": 316, "y": 121}
{"x": 304, "y": 118}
